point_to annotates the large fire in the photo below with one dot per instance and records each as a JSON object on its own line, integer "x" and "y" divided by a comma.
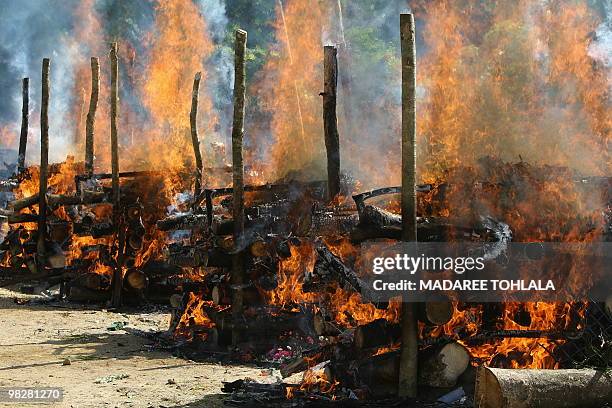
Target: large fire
{"x": 512, "y": 80}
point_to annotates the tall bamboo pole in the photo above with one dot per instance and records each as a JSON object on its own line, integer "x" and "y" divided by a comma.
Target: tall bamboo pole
{"x": 25, "y": 116}
{"x": 330, "y": 120}
{"x": 193, "y": 118}
{"x": 409, "y": 350}
{"x": 238, "y": 176}
{"x": 91, "y": 116}
{"x": 118, "y": 272}
{"x": 44, "y": 163}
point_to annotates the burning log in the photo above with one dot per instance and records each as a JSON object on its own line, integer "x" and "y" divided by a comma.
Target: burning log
{"x": 440, "y": 366}
{"x": 44, "y": 162}
{"x": 56, "y": 200}
{"x": 323, "y": 325}
{"x": 377, "y": 333}
{"x": 330, "y": 121}
{"x": 261, "y": 323}
{"x": 193, "y": 118}
{"x": 237, "y": 277}
{"x": 329, "y": 268}
{"x": 409, "y": 350}
{"x": 508, "y": 388}
{"x": 25, "y": 115}
{"x": 380, "y": 332}
{"x": 435, "y": 313}
{"x": 183, "y": 221}
{"x": 307, "y": 359}
{"x": 16, "y": 218}
{"x": 91, "y": 116}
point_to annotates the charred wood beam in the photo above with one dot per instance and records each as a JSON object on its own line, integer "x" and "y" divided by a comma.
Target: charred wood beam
{"x": 25, "y": 115}
{"x": 330, "y": 268}
{"x": 16, "y": 218}
{"x": 330, "y": 120}
{"x": 91, "y": 116}
{"x": 44, "y": 163}
{"x": 185, "y": 221}
{"x": 56, "y": 200}
{"x": 307, "y": 359}
{"x": 237, "y": 277}
{"x": 362, "y": 197}
{"x": 211, "y": 194}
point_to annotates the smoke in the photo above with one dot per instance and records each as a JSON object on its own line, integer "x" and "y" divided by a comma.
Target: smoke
{"x": 30, "y": 31}
{"x": 601, "y": 48}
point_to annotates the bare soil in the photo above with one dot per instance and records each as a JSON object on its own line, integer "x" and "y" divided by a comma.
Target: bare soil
{"x": 70, "y": 346}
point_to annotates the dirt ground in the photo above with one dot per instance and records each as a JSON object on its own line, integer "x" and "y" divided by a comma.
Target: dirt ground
{"x": 70, "y": 346}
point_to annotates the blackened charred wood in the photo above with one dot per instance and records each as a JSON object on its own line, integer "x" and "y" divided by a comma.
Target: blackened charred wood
{"x": 324, "y": 326}
{"x": 55, "y": 200}
{"x": 362, "y": 197}
{"x": 44, "y": 163}
{"x": 307, "y": 359}
{"x": 184, "y": 221}
{"x": 330, "y": 120}
{"x": 330, "y": 268}
{"x": 25, "y": 115}
{"x": 237, "y": 276}
{"x": 16, "y": 218}
{"x": 377, "y": 333}
{"x": 261, "y": 323}
{"x": 377, "y": 217}
{"x": 91, "y": 116}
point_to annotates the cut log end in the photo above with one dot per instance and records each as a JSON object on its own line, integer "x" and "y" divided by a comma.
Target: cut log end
{"x": 441, "y": 366}
{"x": 572, "y": 388}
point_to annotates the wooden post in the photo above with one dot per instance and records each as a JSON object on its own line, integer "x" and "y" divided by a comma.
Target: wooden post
{"x": 44, "y": 164}
{"x": 25, "y": 116}
{"x": 330, "y": 121}
{"x": 118, "y": 272}
{"x": 409, "y": 349}
{"x": 238, "y": 173}
{"x": 91, "y": 117}
{"x": 193, "y": 116}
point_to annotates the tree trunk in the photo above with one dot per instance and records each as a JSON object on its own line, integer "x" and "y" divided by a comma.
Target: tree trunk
{"x": 508, "y": 388}
{"x": 25, "y": 116}
{"x": 118, "y": 272}
{"x": 330, "y": 120}
{"x": 91, "y": 117}
{"x": 408, "y": 371}
{"x": 237, "y": 277}
{"x": 44, "y": 164}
